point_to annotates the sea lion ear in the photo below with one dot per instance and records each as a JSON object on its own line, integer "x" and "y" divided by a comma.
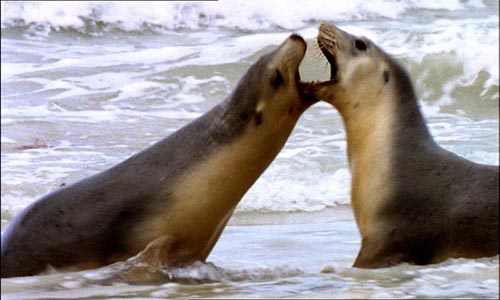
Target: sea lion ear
{"x": 386, "y": 76}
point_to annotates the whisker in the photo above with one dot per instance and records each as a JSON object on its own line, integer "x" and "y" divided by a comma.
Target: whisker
{"x": 326, "y": 66}
{"x": 318, "y": 56}
{"x": 317, "y": 52}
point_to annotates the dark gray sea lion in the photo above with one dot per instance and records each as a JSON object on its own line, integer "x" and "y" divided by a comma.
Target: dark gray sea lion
{"x": 175, "y": 196}
{"x": 413, "y": 201}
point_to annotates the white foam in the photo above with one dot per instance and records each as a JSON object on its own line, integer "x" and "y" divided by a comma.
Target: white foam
{"x": 191, "y": 82}
{"x": 11, "y": 69}
{"x": 471, "y": 45}
{"x": 137, "y": 89}
{"x": 246, "y": 15}
{"x": 209, "y": 272}
{"x": 306, "y": 191}
{"x": 144, "y": 56}
{"x": 7, "y": 140}
{"x": 66, "y": 14}
{"x": 41, "y": 112}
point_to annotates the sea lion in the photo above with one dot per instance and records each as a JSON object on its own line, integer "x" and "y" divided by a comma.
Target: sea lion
{"x": 175, "y": 196}
{"x": 413, "y": 201}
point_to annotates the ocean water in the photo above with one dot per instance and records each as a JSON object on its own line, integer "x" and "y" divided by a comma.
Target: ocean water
{"x": 85, "y": 85}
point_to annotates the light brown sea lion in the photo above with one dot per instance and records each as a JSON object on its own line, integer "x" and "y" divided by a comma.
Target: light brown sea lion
{"x": 175, "y": 196}
{"x": 413, "y": 201}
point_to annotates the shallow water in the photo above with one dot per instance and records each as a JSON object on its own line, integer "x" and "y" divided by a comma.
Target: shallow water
{"x": 85, "y": 85}
{"x": 284, "y": 260}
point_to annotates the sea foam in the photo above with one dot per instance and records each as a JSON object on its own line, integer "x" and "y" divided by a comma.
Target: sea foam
{"x": 244, "y": 15}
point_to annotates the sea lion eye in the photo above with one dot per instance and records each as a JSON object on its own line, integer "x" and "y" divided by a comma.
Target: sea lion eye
{"x": 386, "y": 76}
{"x": 277, "y": 79}
{"x": 360, "y": 45}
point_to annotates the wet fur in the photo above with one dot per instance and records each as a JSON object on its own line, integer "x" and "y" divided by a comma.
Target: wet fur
{"x": 413, "y": 200}
{"x": 176, "y": 195}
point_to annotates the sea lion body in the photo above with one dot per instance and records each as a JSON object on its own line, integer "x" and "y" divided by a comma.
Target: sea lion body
{"x": 413, "y": 201}
{"x": 175, "y": 196}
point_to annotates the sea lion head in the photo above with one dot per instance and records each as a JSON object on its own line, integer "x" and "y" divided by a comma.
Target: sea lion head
{"x": 363, "y": 76}
{"x": 268, "y": 94}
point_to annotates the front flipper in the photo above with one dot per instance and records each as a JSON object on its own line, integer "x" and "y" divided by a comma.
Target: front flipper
{"x": 374, "y": 254}
{"x": 150, "y": 264}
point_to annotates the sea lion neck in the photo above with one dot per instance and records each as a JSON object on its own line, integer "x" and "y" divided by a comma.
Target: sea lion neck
{"x": 378, "y": 142}
{"x": 410, "y": 127}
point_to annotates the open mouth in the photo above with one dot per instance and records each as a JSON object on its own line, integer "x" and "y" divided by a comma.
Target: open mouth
{"x": 331, "y": 59}
{"x": 307, "y": 89}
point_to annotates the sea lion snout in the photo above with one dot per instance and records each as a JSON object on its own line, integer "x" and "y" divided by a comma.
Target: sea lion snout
{"x": 354, "y": 61}
{"x": 290, "y": 53}
{"x": 328, "y": 44}
{"x": 295, "y": 38}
